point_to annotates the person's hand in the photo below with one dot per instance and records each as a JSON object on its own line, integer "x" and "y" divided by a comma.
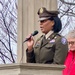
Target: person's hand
{"x": 30, "y": 43}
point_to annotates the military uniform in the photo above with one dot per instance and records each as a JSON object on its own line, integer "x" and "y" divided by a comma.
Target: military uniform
{"x": 52, "y": 50}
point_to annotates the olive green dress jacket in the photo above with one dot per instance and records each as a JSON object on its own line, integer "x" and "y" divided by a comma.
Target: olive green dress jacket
{"x": 53, "y": 50}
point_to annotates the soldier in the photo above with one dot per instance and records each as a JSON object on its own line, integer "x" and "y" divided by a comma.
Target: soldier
{"x": 50, "y": 48}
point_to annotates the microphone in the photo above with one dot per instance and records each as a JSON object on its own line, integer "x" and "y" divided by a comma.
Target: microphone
{"x": 33, "y": 34}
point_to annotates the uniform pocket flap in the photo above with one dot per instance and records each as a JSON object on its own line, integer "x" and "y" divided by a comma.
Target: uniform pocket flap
{"x": 49, "y": 45}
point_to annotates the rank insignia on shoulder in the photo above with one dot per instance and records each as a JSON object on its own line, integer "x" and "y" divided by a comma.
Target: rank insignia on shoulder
{"x": 63, "y": 41}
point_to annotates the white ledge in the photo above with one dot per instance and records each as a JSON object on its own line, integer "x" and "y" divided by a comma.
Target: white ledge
{"x": 31, "y": 66}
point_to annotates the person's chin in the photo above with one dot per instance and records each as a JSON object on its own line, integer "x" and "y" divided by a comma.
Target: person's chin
{"x": 72, "y": 49}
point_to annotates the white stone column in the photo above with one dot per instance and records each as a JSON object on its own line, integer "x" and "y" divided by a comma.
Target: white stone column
{"x": 28, "y": 21}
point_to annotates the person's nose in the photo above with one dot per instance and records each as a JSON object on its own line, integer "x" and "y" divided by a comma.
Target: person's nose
{"x": 70, "y": 45}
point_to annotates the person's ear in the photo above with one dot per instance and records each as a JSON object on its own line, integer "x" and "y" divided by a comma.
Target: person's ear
{"x": 52, "y": 23}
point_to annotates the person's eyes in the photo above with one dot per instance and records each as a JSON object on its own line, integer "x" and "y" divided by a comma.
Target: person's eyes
{"x": 72, "y": 42}
{"x": 43, "y": 21}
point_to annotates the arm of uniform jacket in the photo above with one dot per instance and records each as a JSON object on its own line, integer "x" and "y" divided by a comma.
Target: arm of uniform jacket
{"x": 30, "y": 56}
{"x": 61, "y": 51}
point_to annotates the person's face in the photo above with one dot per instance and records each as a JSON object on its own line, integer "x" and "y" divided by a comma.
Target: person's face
{"x": 71, "y": 43}
{"x": 46, "y": 26}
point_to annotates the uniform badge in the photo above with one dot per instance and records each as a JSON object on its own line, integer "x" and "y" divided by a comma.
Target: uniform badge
{"x": 38, "y": 43}
{"x": 52, "y": 41}
{"x": 63, "y": 41}
{"x": 41, "y": 10}
{"x": 48, "y": 38}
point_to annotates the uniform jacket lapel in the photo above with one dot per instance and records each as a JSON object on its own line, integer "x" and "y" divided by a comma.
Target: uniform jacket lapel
{"x": 49, "y": 39}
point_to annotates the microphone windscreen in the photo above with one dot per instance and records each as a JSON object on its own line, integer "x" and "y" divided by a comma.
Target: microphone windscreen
{"x": 35, "y": 33}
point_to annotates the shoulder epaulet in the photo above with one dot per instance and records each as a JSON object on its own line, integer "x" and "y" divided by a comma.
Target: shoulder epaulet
{"x": 58, "y": 34}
